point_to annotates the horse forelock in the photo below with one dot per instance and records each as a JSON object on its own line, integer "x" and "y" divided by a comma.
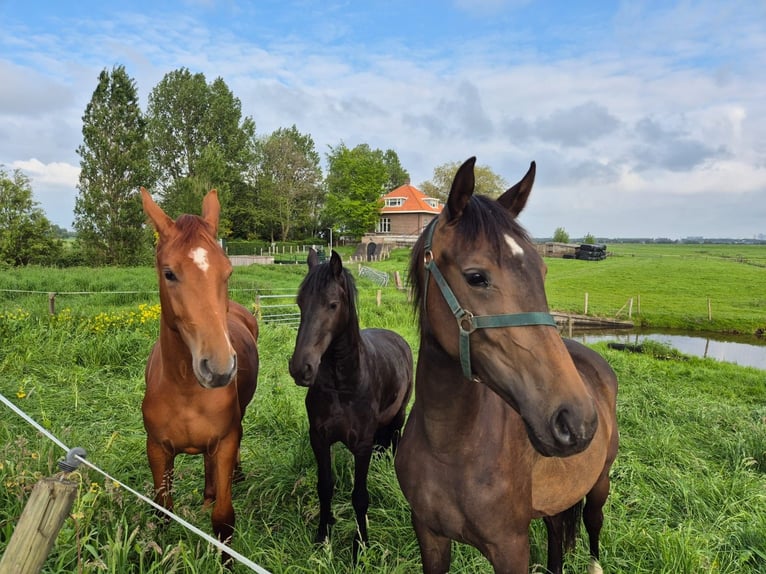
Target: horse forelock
{"x": 483, "y": 221}
{"x": 189, "y": 231}
{"x": 319, "y": 277}
{"x": 189, "y": 228}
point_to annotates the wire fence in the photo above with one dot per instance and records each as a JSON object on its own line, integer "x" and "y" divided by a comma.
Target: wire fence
{"x": 77, "y": 455}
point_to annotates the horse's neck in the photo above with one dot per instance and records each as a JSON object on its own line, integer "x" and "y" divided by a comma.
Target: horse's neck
{"x": 342, "y": 358}
{"x": 446, "y": 398}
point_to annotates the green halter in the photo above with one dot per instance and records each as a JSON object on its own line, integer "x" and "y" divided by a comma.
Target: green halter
{"x": 467, "y": 322}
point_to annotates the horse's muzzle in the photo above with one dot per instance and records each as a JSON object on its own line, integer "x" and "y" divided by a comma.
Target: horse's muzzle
{"x": 566, "y": 434}
{"x": 303, "y": 374}
{"x": 210, "y": 378}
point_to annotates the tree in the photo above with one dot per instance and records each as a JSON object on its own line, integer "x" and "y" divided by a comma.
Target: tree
{"x": 356, "y": 180}
{"x": 560, "y": 235}
{"x": 26, "y": 235}
{"x": 397, "y": 175}
{"x": 114, "y": 164}
{"x": 589, "y": 239}
{"x": 487, "y": 181}
{"x": 289, "y": 183}
{"x": 199, "y": 141}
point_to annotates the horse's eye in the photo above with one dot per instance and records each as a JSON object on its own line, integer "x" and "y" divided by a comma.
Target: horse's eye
{"x": 169, "y": 275}
{"x": 476, "y": 279}
{"x": 334, "y": 306}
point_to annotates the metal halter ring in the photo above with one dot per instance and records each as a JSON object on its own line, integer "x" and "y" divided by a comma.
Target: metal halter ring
{"x": 466, "y": 318}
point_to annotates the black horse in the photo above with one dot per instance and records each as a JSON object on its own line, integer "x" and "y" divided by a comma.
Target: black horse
{"x": 359, "y": 383}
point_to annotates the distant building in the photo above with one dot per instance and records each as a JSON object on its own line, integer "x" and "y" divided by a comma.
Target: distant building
{"x": 406, "y": 212}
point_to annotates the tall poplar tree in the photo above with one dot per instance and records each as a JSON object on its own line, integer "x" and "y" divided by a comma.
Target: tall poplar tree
{"x": 114, "y": 164}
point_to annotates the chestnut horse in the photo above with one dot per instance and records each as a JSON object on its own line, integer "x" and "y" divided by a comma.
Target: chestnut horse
{"x": 509, "y": 422}
{"x": 359, "y": 383}
{"x": 202, "y": 372}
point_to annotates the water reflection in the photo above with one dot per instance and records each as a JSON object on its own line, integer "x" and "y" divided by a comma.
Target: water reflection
{"x": 744, "y": 351}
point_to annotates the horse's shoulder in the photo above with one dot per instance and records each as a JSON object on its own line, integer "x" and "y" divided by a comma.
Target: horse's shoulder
{"x": 594, "y": 368}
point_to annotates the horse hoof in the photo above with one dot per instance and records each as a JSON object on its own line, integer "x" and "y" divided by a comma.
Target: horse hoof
{"x": 594, "y": 567}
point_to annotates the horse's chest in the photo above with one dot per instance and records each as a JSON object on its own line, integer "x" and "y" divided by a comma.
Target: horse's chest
{"x": 351, "y": 420}
{"x": 191, "y": 425}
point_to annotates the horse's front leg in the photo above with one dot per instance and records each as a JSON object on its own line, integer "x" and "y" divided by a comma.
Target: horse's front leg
{"x": 554, "y": 526}
{"x": 325, "y": 484}
{"x": 360, "y": 498}
{"x": 210, "y": 492}
{"x": 220, "y": 467}
{"x": 511, "y": 554}
{"x": 435, "y": 550}
{"x": 161, "y": 464}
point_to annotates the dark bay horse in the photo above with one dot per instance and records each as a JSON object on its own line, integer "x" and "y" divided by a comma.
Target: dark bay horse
{"x": 202, "y": 372}
{"x": 359, "y": 383}
{"x": 509, "y": 422}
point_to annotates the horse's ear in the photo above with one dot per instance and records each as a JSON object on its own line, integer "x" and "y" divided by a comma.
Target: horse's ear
{"x": 516, "y": 197}
{"x": 336, "y": 263}
{"x": 462, "y": 189}
{"x": 158, "y": 217}
{"x": 211, "y": 209}
{"x": 312, "y": 259}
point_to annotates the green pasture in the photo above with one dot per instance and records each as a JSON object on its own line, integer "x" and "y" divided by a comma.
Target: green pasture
{"x": 689, "y": 484}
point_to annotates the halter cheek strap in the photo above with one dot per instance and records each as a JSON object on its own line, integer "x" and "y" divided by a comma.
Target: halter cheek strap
{"x": 467, "y": 322}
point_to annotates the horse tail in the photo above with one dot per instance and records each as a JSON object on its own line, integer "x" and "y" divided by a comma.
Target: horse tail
{"x": 571, "y": 526}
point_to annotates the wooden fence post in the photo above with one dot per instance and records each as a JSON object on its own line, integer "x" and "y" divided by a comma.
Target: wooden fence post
{"x": 52, "y": 303}
{"x": 585, "y": 312}
{"x": 630, "y": 308}
{"x": 709, "y": 309}
{"x": 48, "y": 506}
{"x": 378, "y": 297}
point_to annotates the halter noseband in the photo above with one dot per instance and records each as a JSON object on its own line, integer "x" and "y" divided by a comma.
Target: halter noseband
{"x": 467, "y": 322}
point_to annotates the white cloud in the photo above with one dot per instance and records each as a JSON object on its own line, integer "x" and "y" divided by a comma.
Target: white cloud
{"x": 54, "y": 174}
{"x": 622, "y": 113}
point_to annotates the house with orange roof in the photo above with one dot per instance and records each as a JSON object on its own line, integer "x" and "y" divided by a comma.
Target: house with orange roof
{"x": 405, "y": 213}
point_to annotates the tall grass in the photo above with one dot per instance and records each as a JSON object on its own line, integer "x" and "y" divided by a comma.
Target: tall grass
{"x": 689, "y": 483}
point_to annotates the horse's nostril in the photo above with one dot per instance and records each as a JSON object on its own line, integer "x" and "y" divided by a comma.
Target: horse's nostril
{"x": 562, "y": 428}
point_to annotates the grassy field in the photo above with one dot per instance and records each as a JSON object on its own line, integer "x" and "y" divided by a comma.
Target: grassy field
{"x": 689, "y": 484}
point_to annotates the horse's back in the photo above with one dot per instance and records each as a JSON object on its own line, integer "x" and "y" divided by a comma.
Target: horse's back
{"x": 389, "y": 359}
{"x": 595, "y": 371}
{"x": 243, "y": 329}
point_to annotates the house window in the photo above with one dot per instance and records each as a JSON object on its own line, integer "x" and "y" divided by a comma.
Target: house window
{"x": 384, "y": 225}
{"x": 394, "y": 201}
{"x": 432, "y": 202}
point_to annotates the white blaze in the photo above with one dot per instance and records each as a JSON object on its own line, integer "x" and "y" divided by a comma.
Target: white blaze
{"x": 199, "y": 256}
{"x": 516, "y": 249}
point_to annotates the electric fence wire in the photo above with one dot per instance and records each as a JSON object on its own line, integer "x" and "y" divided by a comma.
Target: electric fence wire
{"x": 77, "y": 455}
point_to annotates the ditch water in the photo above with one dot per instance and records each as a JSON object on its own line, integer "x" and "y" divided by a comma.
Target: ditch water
{"x": 744, "y": 351}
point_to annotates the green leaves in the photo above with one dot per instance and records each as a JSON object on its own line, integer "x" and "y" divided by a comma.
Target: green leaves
{"x": 26, "y": 235}
{"x": 356, "y": 181}
{"x": 114, "y": 164}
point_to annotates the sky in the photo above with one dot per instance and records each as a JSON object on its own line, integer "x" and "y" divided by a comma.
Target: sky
{"x": 645, "y": 119}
